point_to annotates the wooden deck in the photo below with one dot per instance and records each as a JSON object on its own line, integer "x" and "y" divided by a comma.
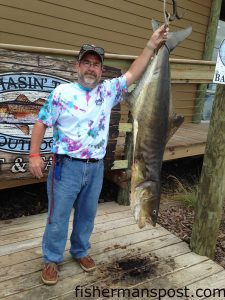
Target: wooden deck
{"x": 189, "y": 140}
{"x": 169, "y": 263}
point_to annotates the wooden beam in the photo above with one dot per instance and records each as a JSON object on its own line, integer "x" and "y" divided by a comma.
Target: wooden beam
{"x": 124, "y": 193}
{"x": 211, "y": 194}
{"x": 125, "y": 127}
{"x": 184, "y": 151}
{"x": 192, "y": 72}
{"x": 6, "y": 184}
{"x": 181, "y": 69}
{"x": 207, "y": 55}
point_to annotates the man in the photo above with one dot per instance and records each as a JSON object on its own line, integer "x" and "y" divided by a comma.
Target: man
{"x": 79, "y": 114}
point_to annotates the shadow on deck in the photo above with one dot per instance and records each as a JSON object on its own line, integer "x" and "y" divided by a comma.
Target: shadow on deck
{"x": 127, "y": 257}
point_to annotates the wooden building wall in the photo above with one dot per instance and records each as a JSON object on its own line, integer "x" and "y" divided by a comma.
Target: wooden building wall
{"x": 120, "y": 26}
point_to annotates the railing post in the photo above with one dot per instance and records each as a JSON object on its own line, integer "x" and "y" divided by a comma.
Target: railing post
{"x": 211, "y": 194}
{"x": 123, "y": 194}
{"x": 207, "y": 55}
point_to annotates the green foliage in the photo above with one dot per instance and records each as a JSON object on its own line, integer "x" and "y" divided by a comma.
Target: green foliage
{"x": 187, "y": 194}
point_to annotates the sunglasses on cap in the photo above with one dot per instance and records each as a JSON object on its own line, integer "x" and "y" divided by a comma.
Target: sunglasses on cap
{"x": 86, "y": 48}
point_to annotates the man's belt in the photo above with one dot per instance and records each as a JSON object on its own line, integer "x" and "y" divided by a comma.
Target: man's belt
{"x": 85, "y": 160}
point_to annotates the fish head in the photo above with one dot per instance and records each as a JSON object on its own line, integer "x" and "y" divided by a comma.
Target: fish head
{"x": 146, "y": 197}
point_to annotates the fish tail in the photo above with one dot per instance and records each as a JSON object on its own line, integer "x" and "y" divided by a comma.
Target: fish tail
{"x": 175, "y": 38}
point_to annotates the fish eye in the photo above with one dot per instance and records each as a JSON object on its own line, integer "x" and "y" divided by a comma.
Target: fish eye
{"x": 154, "y": 212}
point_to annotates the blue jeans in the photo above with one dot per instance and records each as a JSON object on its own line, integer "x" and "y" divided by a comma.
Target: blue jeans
{"x": 79, "y": 187}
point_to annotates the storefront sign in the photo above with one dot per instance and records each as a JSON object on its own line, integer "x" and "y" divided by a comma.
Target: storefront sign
{"x": 219, "y": 76}
{"x": 22, "y": 94}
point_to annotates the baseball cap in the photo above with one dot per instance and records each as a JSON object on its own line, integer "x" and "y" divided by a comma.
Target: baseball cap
{"x": 86, "y": 48}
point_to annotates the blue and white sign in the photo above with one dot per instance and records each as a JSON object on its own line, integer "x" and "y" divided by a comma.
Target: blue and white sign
{"x": 22, "y": 95}
{"x": 219, "y": 76}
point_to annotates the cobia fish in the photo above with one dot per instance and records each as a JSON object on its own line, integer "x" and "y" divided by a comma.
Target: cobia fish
{"x": 154, "y": 123}
{"x": 20, "y": 112}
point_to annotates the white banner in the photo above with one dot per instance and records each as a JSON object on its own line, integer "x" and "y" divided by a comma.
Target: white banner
{"x": 219, "y": 76}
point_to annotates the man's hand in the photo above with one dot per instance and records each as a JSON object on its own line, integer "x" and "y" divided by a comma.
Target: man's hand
{"x": 158, "y": 37}
{"x": 36, "y": 166}
{"x": 138, "y": 66}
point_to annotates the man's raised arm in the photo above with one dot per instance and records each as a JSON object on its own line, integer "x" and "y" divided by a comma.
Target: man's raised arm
{"x": 138, "y": 66}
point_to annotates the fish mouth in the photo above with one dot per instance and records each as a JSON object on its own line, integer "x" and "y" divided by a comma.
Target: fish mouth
{"x": 141, "y": 209}
{"x": 142, "y": 218}
{"x": 139, "y": 216}
{"x": 136, "y": 207}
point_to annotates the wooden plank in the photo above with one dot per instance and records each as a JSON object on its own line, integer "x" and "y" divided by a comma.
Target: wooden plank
{"x": 210, "y": 285}
{"x": 69, "y": 26}
{"x": 100, "y": 253}
{"x": 60, "y": 13}
{"x": 200, "y": 126}
{"x": 176, "y": 266}
{"x": 202, "y": 7}
{"x": 156, "y": 10}
{"x": 104, "y": 243}
{"x": 196, "y": 270}
{"x": 120, "y": 8}
{"x": 125, "y": 127}
{"x": 35, "y": 241}
{"x": 23, "y": 228}
{"x": 34, "y": 233}
{"x": 197, "y": 136}
{"x": 29, "y": 254}
{"x": 193, "y": 130}
{"x": 163, "y": 269}
{"x": 192, "y": 73}
{"x": 35, "y": 253}
{"x": 190, "y": 139}
{"x": 103, "y": 209}
{"x": 120, "y": 164}
{"x": 178, "y": 152}
{"x": 23, "y": 26}
{"x": 70, "y": 270}
{"x": 6, "y": 184}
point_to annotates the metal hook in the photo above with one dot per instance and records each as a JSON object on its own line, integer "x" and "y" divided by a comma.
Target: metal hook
{"x": 168, "y": 17}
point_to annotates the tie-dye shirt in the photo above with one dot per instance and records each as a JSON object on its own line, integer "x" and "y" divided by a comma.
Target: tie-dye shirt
{"x": 80, "y": 117}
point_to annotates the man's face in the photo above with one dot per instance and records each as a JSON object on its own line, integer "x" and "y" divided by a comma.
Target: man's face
{"x": 89, "y": 71}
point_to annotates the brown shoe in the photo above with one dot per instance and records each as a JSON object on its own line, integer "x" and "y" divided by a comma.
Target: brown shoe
{"x": 50, "y": 273}
{"x": 87, "y": 263}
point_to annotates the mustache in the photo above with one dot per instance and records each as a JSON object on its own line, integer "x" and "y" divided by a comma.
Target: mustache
{"x": 90, "y": 73}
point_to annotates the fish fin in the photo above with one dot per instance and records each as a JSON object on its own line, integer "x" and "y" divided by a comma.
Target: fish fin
{"x": 175, "y": 122}
{"x": 24, "y": 128}
{"x": 155, "y": 25}
{"x": 175, "y": 38}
